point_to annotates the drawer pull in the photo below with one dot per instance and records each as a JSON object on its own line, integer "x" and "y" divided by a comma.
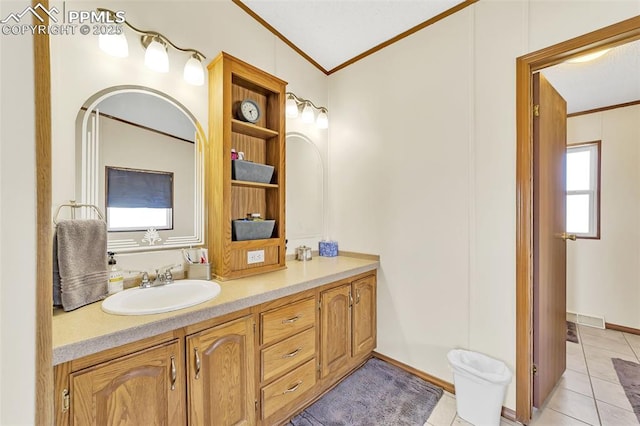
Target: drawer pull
{"x": 174, "y": 373}
{"x": 293, "y": 388}
{"x": 292, "y": 354}
{"x": 357, "y": 296}
{"x": 198, "y": 363}
{"x": 291, "y": 320}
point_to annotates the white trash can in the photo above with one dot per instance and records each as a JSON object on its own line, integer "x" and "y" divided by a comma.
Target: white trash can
{"x": 481, "y": 383}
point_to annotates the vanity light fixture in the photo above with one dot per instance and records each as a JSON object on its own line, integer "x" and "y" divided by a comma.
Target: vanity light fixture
{"x": 292, "y": 109}
{"x": 114, "y": 44}
{"x": 193, "y": 72}
{"x": 156, "y": 56}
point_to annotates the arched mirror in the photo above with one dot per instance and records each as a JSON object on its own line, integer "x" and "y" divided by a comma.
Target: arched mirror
{"x": 305, "y": 188}
{"x": 140, "y": 160}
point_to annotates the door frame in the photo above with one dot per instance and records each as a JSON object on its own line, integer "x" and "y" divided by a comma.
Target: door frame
{"x": 613, "y": 35}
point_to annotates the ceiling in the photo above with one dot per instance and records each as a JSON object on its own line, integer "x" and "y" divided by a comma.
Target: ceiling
{"x": 612, "y": 79}
{"x": 335, "y": 33}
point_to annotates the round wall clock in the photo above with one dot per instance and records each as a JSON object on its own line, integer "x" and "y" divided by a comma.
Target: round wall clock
{"x": 248, "y": 110}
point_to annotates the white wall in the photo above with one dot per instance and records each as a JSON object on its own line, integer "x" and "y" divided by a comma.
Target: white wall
{"x": 422, "y": 170}
{"x": 17, "y": 227}
{"x": 603, "y": 276}
{"x": 80, "y": 69}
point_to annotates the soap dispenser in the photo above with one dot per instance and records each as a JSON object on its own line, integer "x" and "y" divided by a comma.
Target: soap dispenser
{"x": 116, "y": 276}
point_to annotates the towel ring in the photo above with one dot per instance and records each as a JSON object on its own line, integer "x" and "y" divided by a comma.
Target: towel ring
{"x": 74, "y": 206}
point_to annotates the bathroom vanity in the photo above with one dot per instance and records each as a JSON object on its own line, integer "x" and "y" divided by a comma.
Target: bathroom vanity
{"x": 265, "y": 348}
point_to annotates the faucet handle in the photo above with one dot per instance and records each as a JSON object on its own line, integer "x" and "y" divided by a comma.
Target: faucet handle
{"x": 145, "y": 280}
{"x": 168, "y": 276}
{"x": 161, "y": 278}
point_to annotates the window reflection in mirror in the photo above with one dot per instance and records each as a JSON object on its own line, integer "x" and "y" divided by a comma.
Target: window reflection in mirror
{"x": 137, "y": 200}
{"x": 155, "y": 147}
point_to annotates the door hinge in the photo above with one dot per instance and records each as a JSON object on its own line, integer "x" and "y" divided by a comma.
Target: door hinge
{"x": 534, "y": 369}
{"x": 65, "y": 400}
{"x": 536, "y": 110}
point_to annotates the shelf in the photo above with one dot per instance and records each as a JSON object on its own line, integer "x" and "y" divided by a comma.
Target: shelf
{"x": 262, "y": 142}
{"x": 249, "y": 244}
{"x": 251, "y": 129}
{"x": 248, "y": 184}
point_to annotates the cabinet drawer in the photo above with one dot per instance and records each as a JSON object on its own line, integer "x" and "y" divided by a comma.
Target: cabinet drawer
{"x": 287, "y": 320}
{"x": 288, "y": 388}
{"x": 287, "y": 354}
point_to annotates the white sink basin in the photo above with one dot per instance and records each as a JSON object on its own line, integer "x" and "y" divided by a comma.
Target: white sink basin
{"x": 170, "y": 297}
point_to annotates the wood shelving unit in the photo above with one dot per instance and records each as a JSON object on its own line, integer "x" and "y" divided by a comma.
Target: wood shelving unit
{"x": 231, "y": 81}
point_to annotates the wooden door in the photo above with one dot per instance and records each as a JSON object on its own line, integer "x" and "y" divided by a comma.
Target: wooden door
{"x": 335, "y": 332}
{"x": 364, "y": 316}
{"x": 221, "y": 370}
{"x": 145, "y": 388}
{"x": 549, "y": 249}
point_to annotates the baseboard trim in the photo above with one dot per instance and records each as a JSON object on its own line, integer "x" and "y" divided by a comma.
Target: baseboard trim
{"x": 507, "y": 413}
{"x": 425, "y": 376}
{"x": 624, "y": 328}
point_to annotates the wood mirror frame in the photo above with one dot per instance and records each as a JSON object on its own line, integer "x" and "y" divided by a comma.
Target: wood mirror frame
{"x": 611, "y": 36}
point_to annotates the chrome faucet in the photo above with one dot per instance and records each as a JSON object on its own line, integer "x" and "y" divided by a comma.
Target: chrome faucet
{"x": 161, "y": 278}
{"x": 145, "y": 282}
{"x": 165, "y": 277}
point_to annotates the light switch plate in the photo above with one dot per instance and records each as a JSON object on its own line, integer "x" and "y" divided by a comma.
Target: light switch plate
{"x": 255, "y": 256}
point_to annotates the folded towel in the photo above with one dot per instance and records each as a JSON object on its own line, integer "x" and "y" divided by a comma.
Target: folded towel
{"x": 80, "y": 273}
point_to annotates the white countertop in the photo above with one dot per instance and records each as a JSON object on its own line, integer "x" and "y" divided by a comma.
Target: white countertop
{"x": 89, "y": 330}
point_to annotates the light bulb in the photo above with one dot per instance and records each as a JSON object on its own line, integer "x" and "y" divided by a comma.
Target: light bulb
{"x": 588, "y": 57}
{"x": 291, "y": 107}
{"x": 322, "y": 121}
{"x": 193, "y": 72}
{"x": 156, "y": 57}
{"x": 307, "y": 114}
{"x": 114, "y": 45}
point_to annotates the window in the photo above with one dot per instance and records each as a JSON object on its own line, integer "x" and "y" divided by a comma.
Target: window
{"x": 583, "y": 190}
{"x": 137, "y": 200}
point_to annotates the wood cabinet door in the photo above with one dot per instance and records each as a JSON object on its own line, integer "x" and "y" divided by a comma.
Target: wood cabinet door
{"x": 335, "y": 333}
{"x": 221, "y": 370}
{"x": 364, "y": 316}
{"x": 144, "y": 388}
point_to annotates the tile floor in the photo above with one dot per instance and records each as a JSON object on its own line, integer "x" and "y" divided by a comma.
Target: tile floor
{"x": 589, "y": 392}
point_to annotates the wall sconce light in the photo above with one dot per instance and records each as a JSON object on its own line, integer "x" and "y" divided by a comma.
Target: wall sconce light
{"x": 156, "y": 56}
{"x": 292, "y": 109}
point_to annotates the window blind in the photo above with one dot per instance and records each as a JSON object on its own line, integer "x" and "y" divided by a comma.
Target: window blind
{"x": 139, "y": 188}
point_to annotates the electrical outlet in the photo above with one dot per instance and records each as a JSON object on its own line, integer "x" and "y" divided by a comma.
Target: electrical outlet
{"x": 256, "y": 256}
